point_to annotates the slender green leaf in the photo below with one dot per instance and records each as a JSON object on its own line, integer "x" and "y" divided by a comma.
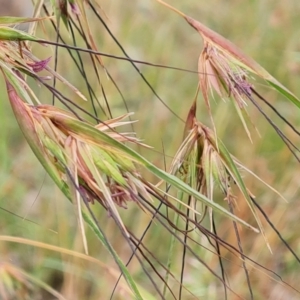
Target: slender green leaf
{"x": 111, "y": 250}
{"x": 7, "y": 20}
{"x": 12, "y": 34}
{"x": 231, "y": 166}
{"x": 284, "y": 91}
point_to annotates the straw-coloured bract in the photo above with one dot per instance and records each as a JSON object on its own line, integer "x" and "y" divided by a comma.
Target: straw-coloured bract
{"x": 204, "y": 162}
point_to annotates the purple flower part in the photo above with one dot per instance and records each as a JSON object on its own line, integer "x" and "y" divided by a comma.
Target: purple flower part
{"x": 243, "y": 86}
{"x": 75, "y": 9}
{"x": 40, "y": 65}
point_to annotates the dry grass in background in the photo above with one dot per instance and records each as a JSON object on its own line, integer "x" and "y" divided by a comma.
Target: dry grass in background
{"x": 34, "y": 209}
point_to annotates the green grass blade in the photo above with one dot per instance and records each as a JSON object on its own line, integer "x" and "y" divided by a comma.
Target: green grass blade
{"x": 8, "y": 20}
{"x": 117, "y": 259}
{"x": 231, "y": 166}
{"x": 284, "y": 91}
{"x": 15, "y": 82}
{"x": 11, "y": 34}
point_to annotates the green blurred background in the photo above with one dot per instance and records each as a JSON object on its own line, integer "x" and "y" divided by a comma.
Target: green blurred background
{"x": 268, "y": 31}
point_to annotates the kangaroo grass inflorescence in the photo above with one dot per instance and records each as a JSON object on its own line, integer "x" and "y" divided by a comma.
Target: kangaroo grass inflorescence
{"x": 223, "y": 68}
{"x": 92, "y": 158}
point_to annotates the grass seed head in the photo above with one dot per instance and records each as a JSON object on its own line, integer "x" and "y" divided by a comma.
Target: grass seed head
{"x": 220, "y": 74}
{"x": 101, "y": 170}
{"x": 199, "y": 160}
{"x": 95, "y": 159}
